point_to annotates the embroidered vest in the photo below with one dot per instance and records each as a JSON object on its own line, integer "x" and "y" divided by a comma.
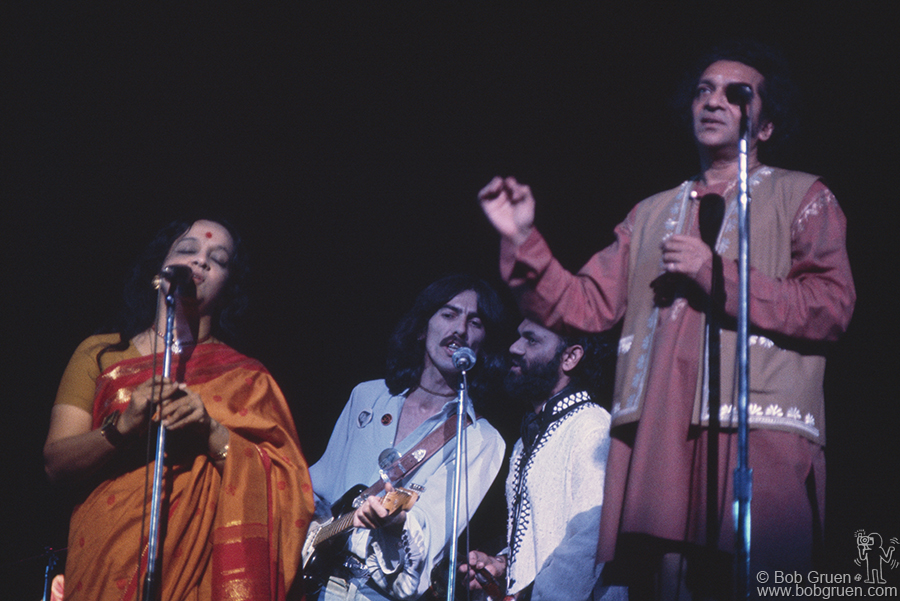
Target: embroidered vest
{"x": 785, "y": 382}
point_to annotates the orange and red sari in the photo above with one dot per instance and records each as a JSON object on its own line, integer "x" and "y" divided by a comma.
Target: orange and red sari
{"x": 231, "y": 537}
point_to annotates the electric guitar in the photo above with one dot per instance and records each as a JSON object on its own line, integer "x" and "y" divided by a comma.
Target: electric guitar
{"x": 321, "y": 552}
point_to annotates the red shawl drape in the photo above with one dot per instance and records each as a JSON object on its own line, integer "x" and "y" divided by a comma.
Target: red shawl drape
{"x": 235, "y": 536}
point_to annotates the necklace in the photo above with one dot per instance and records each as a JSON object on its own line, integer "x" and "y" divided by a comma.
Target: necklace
{"x": 180, "y": 345}
{"x": 433, "y": 393}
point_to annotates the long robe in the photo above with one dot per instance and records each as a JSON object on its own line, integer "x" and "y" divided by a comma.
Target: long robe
{"x": 801, "y": 296}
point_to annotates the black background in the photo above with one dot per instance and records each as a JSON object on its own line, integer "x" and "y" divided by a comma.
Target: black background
{"x": 348, "y": 141}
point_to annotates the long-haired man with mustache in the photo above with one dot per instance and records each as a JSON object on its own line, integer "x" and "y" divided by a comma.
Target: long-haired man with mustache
{"x": 391, "y": 556}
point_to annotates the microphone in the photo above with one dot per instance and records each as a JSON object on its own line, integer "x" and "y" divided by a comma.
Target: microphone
{"x": 464, "y": 358}
{"x": 181, "y": 280}
{"x": 739, "y": 93}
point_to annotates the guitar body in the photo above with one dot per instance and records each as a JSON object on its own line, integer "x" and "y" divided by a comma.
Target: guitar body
{"x": 322, "y": 558}
{"x": 323, "y": 552}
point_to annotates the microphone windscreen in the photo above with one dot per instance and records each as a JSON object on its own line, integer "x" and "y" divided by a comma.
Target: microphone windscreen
{"x": 738, "y": 93}
{"x": 176, "y": 273}
{"x": 181, "y": 280}
{"x": 464, "y": 358}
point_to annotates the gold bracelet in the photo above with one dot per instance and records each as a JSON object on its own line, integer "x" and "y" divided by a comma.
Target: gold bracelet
{"x": 221, "y": 455}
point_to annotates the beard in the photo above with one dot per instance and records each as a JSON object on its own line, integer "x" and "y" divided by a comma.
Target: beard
{"x": 534, "y": 383}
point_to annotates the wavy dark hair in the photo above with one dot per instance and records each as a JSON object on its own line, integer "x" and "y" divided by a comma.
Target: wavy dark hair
{"x": 406, "y": 348}
{"x": 139, "y": 297}
{"x": 779, "y": 93}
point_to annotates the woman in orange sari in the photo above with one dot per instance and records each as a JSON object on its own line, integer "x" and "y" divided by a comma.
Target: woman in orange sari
{"x": 236, "y": 495}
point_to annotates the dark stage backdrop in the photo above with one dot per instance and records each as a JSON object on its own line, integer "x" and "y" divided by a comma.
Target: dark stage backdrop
{"x": 348, "y": 141}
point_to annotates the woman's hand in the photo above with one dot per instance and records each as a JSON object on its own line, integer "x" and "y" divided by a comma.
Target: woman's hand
{"x": 136, "y": 416}
{"x": 183, "y": 409}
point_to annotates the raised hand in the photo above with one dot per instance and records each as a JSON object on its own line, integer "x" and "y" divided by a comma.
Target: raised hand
{"x": 509, "y": 206}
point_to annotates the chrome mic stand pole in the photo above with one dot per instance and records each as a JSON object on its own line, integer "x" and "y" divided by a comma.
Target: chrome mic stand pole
{"x": 463, "y": 359}
{"x": 741, "y": 94}
{"x": 151, "y": 580}
{"x": 52, "y": 559}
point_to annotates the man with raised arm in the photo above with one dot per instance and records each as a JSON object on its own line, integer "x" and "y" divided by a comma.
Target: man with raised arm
{"x": 667, "y": 511}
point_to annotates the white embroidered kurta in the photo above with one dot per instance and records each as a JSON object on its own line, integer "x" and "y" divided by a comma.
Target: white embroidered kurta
{"x": 555, "y": 495}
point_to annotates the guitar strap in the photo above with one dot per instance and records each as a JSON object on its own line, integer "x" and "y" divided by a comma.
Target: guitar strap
{"x": 401, "y": 468}
{"x": 410, "y": 462}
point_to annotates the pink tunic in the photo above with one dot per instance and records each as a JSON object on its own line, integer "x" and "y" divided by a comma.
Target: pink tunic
{"x": 657, "y": 471}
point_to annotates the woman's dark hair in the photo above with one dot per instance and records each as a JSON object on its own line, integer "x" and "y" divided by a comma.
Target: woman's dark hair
{"x": 406, "y": 347}
{"x": 140, "y": 297}
{"x": 779, "y": 93}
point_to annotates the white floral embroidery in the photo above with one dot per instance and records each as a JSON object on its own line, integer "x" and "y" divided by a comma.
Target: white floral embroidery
{"x": 815, "y": 207}
{"x": 756, "y": 340}
{"x": 677, "y": 307}
{"x": 625, "y": 344}
{"x": 730, "y": 220}
{"x": 772, "y": 415}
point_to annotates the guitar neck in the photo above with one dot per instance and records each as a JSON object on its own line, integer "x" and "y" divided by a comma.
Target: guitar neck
{"x": 394, "y": 501}
{"x": 332, "y": 529}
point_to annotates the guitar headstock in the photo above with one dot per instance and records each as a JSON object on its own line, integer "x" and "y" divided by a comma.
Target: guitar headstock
{"x": 401, "y": 499}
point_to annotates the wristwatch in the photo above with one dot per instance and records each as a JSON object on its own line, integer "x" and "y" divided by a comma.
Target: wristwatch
{"x": 109, "y": 431}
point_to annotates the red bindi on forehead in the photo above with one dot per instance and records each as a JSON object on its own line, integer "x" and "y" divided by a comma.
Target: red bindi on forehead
{"x": 208, "y": 234}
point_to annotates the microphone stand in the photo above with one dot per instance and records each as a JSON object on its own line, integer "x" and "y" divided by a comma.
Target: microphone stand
{"x": 151, "y": 580}
{"x": 457, "y": 482}
{"x": 52, "y": 559}
{"x": 743, "y": 475}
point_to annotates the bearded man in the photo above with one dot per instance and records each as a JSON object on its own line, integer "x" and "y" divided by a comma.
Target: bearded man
{"x": 554, "y": 491}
